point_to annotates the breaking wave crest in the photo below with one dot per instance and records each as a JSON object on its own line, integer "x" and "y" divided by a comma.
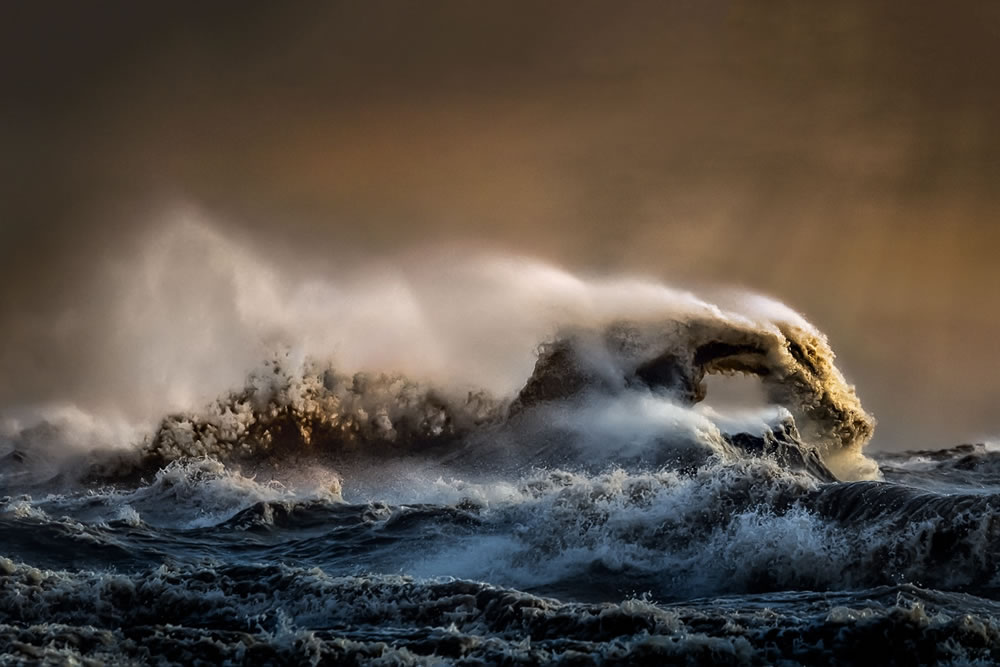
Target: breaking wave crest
{"x": 638, "y": 388}
{"x": 317, "y": 413}
{"x": 392, "y": 365}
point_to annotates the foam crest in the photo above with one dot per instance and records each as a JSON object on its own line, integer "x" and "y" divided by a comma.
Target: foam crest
{"x": 202, "y": 492}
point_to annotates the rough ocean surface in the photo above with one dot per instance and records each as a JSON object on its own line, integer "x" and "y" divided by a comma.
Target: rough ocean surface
{"x": 602, "y": 515}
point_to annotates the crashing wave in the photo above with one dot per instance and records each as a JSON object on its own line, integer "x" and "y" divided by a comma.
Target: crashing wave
{"x": 796, "y": 367}
{"x": 314, "y": 411}
{"x": 312, "y": 414}
{"x": 321, "y": 411}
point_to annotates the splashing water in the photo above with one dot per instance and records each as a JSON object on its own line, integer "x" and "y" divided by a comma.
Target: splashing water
{"x": 485, "y": 459}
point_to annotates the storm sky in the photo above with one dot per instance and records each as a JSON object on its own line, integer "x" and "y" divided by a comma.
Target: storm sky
{"x": 843, "y": 157}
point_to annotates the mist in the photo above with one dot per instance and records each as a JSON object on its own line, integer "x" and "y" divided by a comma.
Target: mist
{"x": 183, "y": 187}
{"x": 192, "y": 312}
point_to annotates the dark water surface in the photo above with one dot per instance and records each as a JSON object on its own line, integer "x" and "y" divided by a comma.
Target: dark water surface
{"x": 745, "y": 559}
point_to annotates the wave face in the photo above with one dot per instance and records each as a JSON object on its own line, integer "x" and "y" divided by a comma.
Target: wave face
{"x": 601, "y": 510}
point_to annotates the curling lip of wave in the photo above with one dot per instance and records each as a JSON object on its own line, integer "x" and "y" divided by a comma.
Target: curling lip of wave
{"x": 795, "y": 365}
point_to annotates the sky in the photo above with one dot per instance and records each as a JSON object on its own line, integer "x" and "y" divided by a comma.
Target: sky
{"x": 842, "y": 157}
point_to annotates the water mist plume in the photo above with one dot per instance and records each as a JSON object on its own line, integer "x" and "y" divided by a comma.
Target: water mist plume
{"x": 418, "y": 351}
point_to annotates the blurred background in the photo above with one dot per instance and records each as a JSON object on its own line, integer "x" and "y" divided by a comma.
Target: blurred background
{"x": 843, "y": 157}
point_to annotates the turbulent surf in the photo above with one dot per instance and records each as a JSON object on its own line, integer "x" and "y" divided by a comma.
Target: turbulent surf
{"x": 603, "y": 510}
